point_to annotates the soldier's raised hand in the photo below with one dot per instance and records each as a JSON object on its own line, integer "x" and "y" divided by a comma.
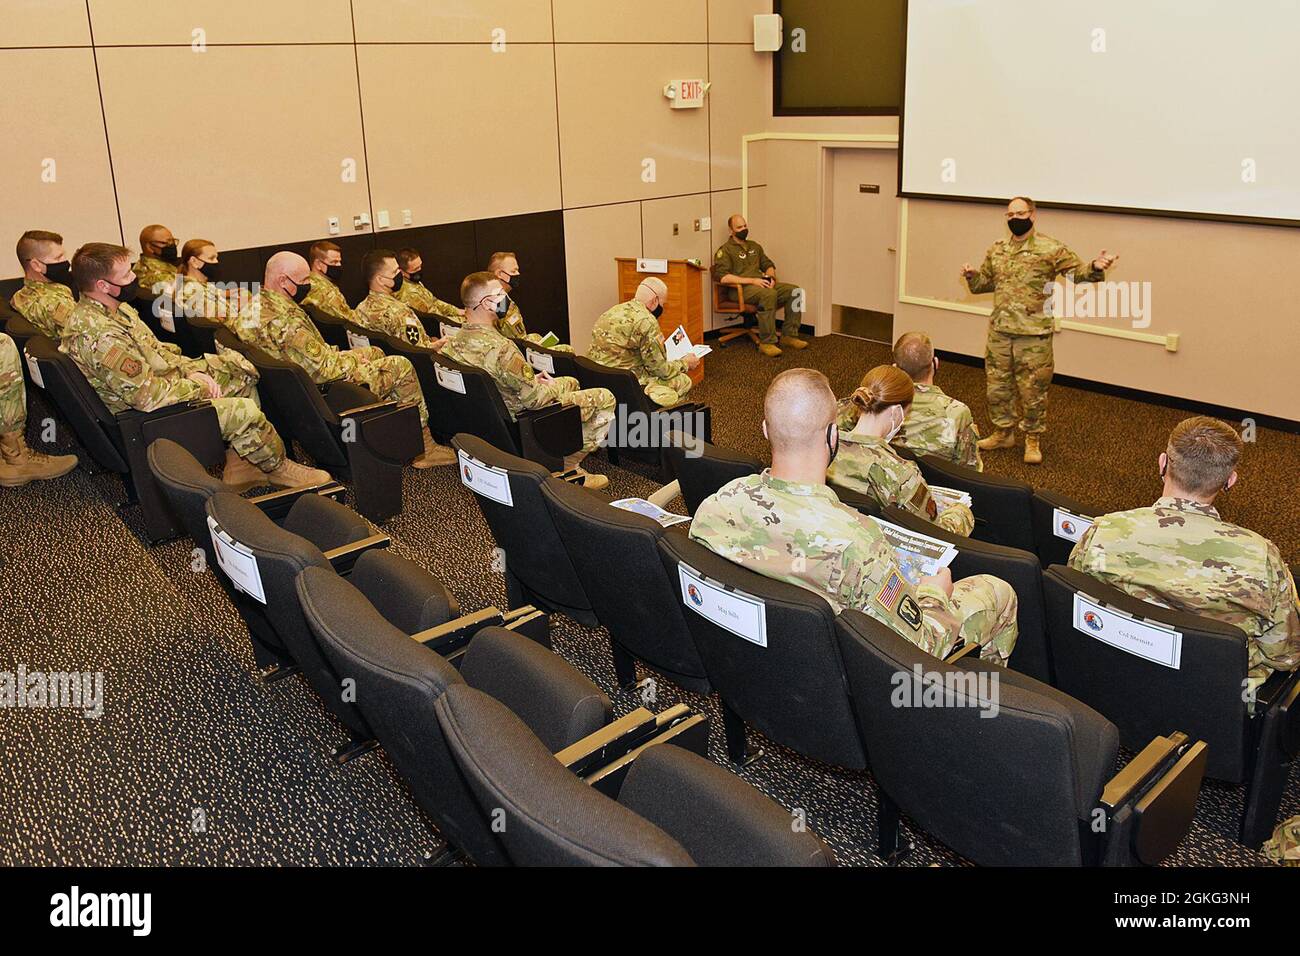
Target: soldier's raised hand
{"x": 1105, "y": 260}
{"x": 967, "y": 272}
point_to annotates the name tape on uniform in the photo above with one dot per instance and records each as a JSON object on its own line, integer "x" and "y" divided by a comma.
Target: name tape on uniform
{"x": 734, "y": 611}
{"x": 447, "y": 331}
{"x": 34, "y": 369}
{"x": 1069, "y": 526}
{"x": 485, "y": 480}
{"x": 357, "y": 341}
{"x": 449, "y": 378}
{"x": 238, "y": 563}
{"x": 541, "y": 361}
{"x": 1162, "y": 645}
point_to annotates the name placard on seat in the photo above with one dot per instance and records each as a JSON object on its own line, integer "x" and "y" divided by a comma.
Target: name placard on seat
{"x": 734, "y": 611}
{"x": 485, "y": 480}
{"x": 166, "y": 320}
{"x": 541, "y": 361}
{"x": 358, "y": 341}
{"x": 449, "y": 378}
{"x": 34, "y": 369}
{"x": 238, "y": 563}
{"x": 447, "y": 331}
{"x": 1162, "y": 645}
{"x": 1070, "y": 526}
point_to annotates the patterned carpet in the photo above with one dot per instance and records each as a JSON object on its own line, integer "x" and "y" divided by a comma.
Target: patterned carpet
{"x": 195, "y": 763}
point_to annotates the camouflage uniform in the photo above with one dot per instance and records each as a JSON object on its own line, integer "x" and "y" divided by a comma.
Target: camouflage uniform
{"x": 421, "y": 299}
{"x": 325, "y": 295}
{"x": 484, "y": 347}
{"x": 748, "y": 260}
{"x": 939, "y": 425}
{"x": 1018, "y": 357}
{"x": 13, "y": 394}
{"x": 277, "y": 326}
{"x": 1284, "y": 847}
{"x": 628, "y": 336}
{"x": 154, "y": 274}
{"x": 512, "y": 327}
{"x": 129, "y": 368}
{"x": 44, "y": 305}
{"x": 801, "y": 534}
{"x": 866, "y": 464}
{"x": 206, "y": 300}
{"x": 1180, "y": 554}
{"x": 381, "y": 312}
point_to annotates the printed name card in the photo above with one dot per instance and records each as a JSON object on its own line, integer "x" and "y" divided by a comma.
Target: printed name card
{"x": 541, "y": 361}
{"x": 447, "y": 331}
{"x": 485, "y": 480}
{"x": 238, "y": 563}
{"x": 358, "y": 341}
{"x": 1161, "y": 645}
{"x": 1069, "y": 526}
{"x": 34, "y": 369}
{"x": 734, "y": 611}
{"x": 450, "y": 379}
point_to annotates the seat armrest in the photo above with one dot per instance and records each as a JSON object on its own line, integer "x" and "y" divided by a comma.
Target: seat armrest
{"x": 344, "y": 557}
{"x": 531, "y": 623}
{"x": 1149, "y": 805}
{"x": 276, "y": 504}
{"x": 967, "y": 647}
{"x": 1138, "y": 771}
{"x": 450, "y": 639}
{"x": 611, "y": 741}
{"x": 363, "y": 409}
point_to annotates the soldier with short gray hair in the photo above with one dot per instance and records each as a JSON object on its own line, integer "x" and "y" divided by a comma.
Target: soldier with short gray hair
{"x": 628, "y": 336}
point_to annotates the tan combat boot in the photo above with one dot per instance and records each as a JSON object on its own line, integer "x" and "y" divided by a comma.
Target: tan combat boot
{"x": 433, "y": 454}
{"x": 1002, "y": 438}
{"x": 20, "y": 464}
{"x": 790, "y": 342}
{"x": 771, "y": 351}
{"x": 1033, "y": 454}
{"x": 585, "y": 478}
{"x": 241, "y": 475}
{"x": 290, "y": 474}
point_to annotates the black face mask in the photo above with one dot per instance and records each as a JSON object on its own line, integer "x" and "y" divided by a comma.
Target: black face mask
{"x": 211, "y": 270}
{"x": 169, "y": 254}
{"x": 742, "y": 235}
{"x": 514, "y": 282}
{"x": 417, "y": 277}
{"x": 60, "y": 272}
{"x": 833, "y": 448}
{"x": 397, "y": 283}
{"x": 301, "y": 291}
{"x": 503, "y": 307}
{"x": 128, "y": 292}
{"x": 334, "y": 273}
{"x": 658, "y": 310}
{"x": 1020, "y": 227}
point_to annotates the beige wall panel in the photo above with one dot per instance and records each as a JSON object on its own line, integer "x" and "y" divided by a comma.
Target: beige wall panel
{"x": 792, "y": 217}
{"x": 740, "y": 103}
{"x": 418, "y": 159}
{"x": 732, "y": 21}
{"x": 452, "y": 21}
{"x": 613, "y": 115}
{"x": 593, "y": 237}
{"x": 44, "y": 23}
{"x": 228, "y": 21}
{"x": 250, "y": 168}
{"x": 67, "y": 129}
{"x": 627, "y": 21}
{"x": 659, "y": 216}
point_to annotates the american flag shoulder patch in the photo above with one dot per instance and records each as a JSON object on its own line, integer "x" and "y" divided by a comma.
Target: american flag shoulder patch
{"x": 893, "y": 589}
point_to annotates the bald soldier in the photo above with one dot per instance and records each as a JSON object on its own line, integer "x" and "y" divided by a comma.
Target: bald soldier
{"x": 1180, "y": 554}
{"x": 478, "y": 343}
{"x": 741, "y": 262}
{"x": 276, "y": 324}
{"x": 129, "y": 368}
{"x": 505, "y": 266}
{"x": 159, "y": 260}
{"x": 628, "y": 336}
{"x": 413, "y": 291}
{"x": 46, "y": 293}
{"x": 786, "y": 524}
{"x": 20, "y": 464}
{"x": 936, "y": 424}
{"x": 381, "y": 311}
{"x": 326, "y": 260}
{"x": 1020, "y": 271}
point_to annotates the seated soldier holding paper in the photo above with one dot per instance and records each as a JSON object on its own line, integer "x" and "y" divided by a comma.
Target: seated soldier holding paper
{"x": 628, "y": 336}
{"x": 868, "y": 465}
{"x": 1180, "y": 554}
{"x": 786, "y": 524}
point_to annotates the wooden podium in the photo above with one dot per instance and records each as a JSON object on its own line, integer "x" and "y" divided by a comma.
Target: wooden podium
{"x": 685, "y": 305}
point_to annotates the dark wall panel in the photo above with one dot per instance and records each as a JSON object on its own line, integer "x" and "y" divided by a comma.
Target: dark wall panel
{"x": 538, "y": 240}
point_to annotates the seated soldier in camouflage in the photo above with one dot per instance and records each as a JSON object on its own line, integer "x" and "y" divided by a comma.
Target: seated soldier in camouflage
{"x": 46, "y": 293}
{"x": 628, "y": 336}
{"x": 1180, "y": 554}
{"x": 381, "y": 312}
{"x": 159, "y": 261}
{"x": 199, "y": 294}
{"x": 326, "y": 259}
{"x": 505, "y": 266}
{"x": 868, "y": 465}
{"x": 741, "y": 263}
{"x": 413, "y": 291}
{"x": 1284, "y": 846}
{"x": 935, "y": 424}
{"x": 20, "y": 464}
{"x": 479, "y": 344}
{"x": 129, "y": 368}
{"x": 276, "y": 324}
{"x": 786, "y": 524}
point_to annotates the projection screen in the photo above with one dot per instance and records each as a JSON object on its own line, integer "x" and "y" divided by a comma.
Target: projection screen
{"x": 1182, "y": 107}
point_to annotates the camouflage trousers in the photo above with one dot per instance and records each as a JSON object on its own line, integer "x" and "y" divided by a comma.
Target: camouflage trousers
{"x": 247, "y": 431}
{"x": 13, "y": 391}
{"x": 393, "y": 379}
{"x": 1018, "y": 366}
{"x": 667, "y": 392}
{"x": 595, "y": 404}
{"x": 234, "y": 373}
{"x": 768, "y": 301}
{"x": 984, "y": 608}
{"x": 957, "y": 519}
{"x": 1284, "y": 847}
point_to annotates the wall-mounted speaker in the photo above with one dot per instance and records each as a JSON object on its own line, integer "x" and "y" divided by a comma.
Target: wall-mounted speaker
{"x": 767, "y": 32}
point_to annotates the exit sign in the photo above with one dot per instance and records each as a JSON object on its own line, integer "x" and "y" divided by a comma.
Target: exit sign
{"x": 690, "y": 94}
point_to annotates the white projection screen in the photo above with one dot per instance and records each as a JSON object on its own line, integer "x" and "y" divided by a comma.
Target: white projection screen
{"x": 1182, "y": 107}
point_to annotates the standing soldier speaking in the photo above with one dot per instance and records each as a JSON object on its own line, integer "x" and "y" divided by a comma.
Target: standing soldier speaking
{"x": 1019, "y": 271}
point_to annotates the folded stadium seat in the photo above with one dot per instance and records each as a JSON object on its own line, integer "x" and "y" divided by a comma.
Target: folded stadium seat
{"x": 703, "y": 468}
{"x": 399, "y": 679}
{"x": 333, "y": 331}
{"x": 1004, "y": 769}
{"x": 675, "y": 808}
{"x": 553, "y": 362}
{"x": 615, "y": 555}
{"x": 343, "y": 427}
{"x": 1196, "y": 685}
{"x": 774, "y": 662}
{"x": 1003, "y": 514}
{"x": 120, "y": 442}
{"x": 1018, "y": 568}
{"x": 1059, "y": 522}
{"x": 641, "y": 428}
{"x": 472, "y": 404}
{"x": 537, "y": 565}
